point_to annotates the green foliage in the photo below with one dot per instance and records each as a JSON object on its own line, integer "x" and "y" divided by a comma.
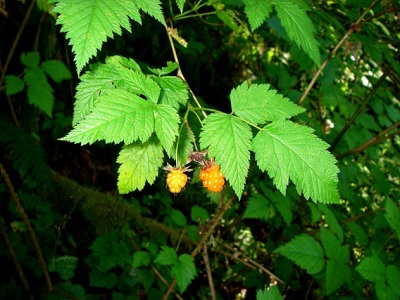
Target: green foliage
{"x": 88, "y": 24}
{"x": 40, "y": 92}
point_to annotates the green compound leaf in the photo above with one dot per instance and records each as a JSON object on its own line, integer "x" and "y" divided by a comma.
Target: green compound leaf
{"x": 304, "y": 251}
{"x": 119, "y": 116}
{"x": 184, "y": 271}
{"x": 174, "y": 91}
{"x": 30, "y": 59}
{"x": 14, "y": 85}
{"x": 89, "y": 23}
{"x": 257, "y": 104}
{"x": 257, "y": 12}
{"x": 56, "y": 70}
{"x": 299, "y": 28}
{"x": 228, "y": 139}
{"x": 166, "y": 125}
{"x": 167, "y": 256}
{"x": 141, "y": 258}
{"x": 287, "y": 150}
{"x": 40, "y": 92}
{"x": 392, "y": 215}
{"x": 337, "y": 269}
{"x": 372, "y": 269}
{"x": 178, "y": 217}
{"x": 64, "y": 265}
{"x": 257, "y": 208}
{"x": 139, "y": 164}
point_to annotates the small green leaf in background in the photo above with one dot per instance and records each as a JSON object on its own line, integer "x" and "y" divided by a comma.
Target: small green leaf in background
{"x": 56, "y": 70}
{"x": 305, "y": 251}
{"x": 271, "y": 293}
{"x": 31, "y": 59}
{"x": 257, "y": 208}
{"x": 257, "y": 103}
{"x": 299, "y": 28}
{"x": 109, "y": 251}
{"x": 392, "y": 215}
{"x": 288, "y": 150}
{"x": 40, "y": 92}
{"x": 184, "y": 271}
{"x": 199, "y": 214}
{"x": 372, "y": 269}
{"x": 331, "y": 220}
{"x": 64, "y": 265}
{"x": 392, "y": 278}
{"x": 140, "y": 163}
{"x": 141, "y": 258}
{"x": 102, "y": 279}
{"x": 178, "y": 217}
{"x": 171, "y": 66}
{"x": 359, "y": 233}
{"x": 14, "y": 85}
{"x": 257, "y": 12}
{"x": 338, "y": 270}
{"x": 227, "y": 139}
{"x": 167, "y": 256}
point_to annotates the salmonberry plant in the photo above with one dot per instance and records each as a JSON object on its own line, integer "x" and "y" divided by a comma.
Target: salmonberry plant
{"x": 265, "y": 178}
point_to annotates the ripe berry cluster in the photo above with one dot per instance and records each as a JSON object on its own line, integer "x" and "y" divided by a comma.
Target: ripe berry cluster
{"x": 176, "y": 180}
{"x": 212, "y": 178}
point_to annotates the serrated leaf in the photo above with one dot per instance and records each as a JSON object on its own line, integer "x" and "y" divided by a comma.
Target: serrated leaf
{"x": 185, "y": 145}
{"x": 331, "y": 220}
{"x": 56, "y": 70}
{"x": 178, "y": 217}
{"x": 271, "y": 293}
{"x": 171, "y": 66}
{"x": 227, "y": 139}
{"x": 141, "y": 258}
{"x": 64, "y": 265}
{"x": 333, "y": 248}
{"x": 167, "y": 256}
{"x": 40, "y": 92}
{"x": 304, "y": 251}
{"x": 174, "y": 91}
{"x": 89, "y": 23}
{"x": 30, "y": 59}
{"x": 118, "y": 116}
{"x": 102, "y": 279}
{"x": 227, "y": 16}
{"x": 299, "y": 28}
{"x": 109, "y": 251}
{"x": 139, "y": 164}
{"x": 392, "y": 278}
{"x": 257, "y": 208}
{"x": 372, "y": 269}
{"x": 392, "y": 215}
{"x": 153, "y": 8}
{"x": 337, "y": 274}
{"x": 199, "y": 214}
{"x": 180, "y": 4}
{"x": 287, "y": 150}
{"x": 257, "y": 12}
{"x": 257, "y": 104}
{"x": 14, "y": 85}
{"x": 166, "y": 125}
{"x": 184, "y": 271}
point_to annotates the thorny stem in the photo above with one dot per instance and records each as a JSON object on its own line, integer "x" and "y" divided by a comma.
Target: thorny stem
{"x": 11, "y": 53}
{"x": 209, "y": 274}
{"x": 360, "y": 108}
{"x": 28, "y": 224}
{"x": 180, "y": 74}
{"x": 205, "y": 237}
{"x": 332, "y": 54}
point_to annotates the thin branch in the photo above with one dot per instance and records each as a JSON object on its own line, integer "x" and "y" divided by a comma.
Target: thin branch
{"x": 16, "y": 40}
{"x": 205, "y": 237}
{"x": 361, "y": 107}
{"x": 209, "y": 274}
{"x": 332, "y": 54}
{"x": 180, "y": 74}
{"x": 14, "y": 257}
{"x": 28, "y": 224}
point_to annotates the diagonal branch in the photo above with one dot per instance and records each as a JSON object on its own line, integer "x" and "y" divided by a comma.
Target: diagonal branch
{"x": 360, "y": 108}
{"x": 333, "y": 53}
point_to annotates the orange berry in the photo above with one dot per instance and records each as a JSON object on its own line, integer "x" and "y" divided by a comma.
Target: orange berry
{"x": 176, "y": 180}
{"x": 212, "y": 178}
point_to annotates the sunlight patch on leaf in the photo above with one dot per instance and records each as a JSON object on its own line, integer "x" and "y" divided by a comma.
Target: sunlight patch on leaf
{"x": 290, "y": 151}
{"x": 228, "y": 139}
{"x": 140, "y": 163}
